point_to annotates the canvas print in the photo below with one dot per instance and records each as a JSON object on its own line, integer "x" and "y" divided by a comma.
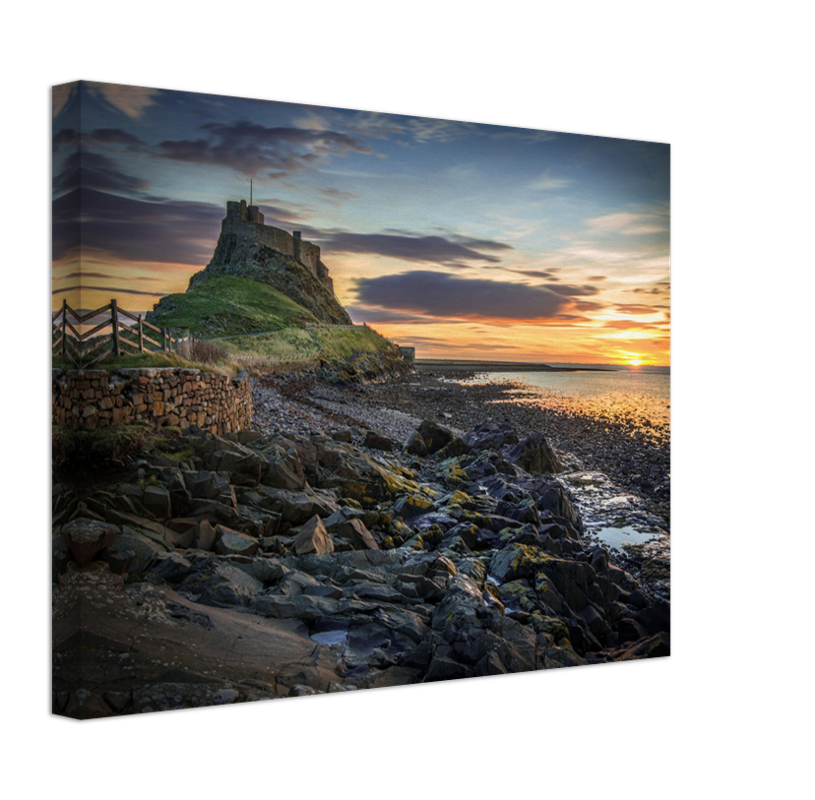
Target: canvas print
{"x": 346, "y": 400}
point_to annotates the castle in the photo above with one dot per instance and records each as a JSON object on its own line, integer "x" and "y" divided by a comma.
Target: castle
{"x": 247, "y": 222}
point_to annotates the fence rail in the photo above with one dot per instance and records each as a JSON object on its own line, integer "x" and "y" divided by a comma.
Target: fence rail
{"x": 123, "y": 339}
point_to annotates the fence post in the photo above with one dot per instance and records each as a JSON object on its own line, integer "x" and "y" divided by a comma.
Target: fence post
{"x": 64, "y": 323}
{"x": 164, "y": 340}
{"x": 114, "y": 318}
{"x": 141, "y": 336}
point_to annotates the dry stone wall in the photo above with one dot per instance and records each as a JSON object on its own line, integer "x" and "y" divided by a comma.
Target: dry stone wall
{"x": 89, "y": 399}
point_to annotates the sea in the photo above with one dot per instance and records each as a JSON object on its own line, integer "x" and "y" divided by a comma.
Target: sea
{"x": 641, "y": 394}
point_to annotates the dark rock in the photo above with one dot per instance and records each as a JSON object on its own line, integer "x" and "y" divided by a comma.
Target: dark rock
{"x": 232, "y": 542}
{"x": 434, "y": 436}
{"x": 557, "y": 500}
{"x": 455, "y": 448}
{"x": 87, "y": 537}
{"x": 487, "y": 437}
{"x": 355, "y": 532}
{"x": 221, "y": 585}
{"x": 534, "y": 455}
{"x": 285, "y": 471}
{"x": 415, "y": 445}
{"x": 313, "y": 538}
{"x": 377, "y": 442}
{"x": 411, "y": 506}
{"x": 171, "y": 566}
{"x": 656, "y": 618}
{"x": 132, "y": 552}
{"x": 638, "y": 599}
{"x": 629, "y": 630}
{"x": 156, "y": 501}
{"x": 523, "y": 511}
{"x": 527, "y": 534}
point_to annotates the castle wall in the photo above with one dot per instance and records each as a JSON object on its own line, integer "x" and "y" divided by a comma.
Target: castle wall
{"x": 310, "y": 256}
{"x": 238, "y": 221}
{"x": 90, "y": 399}
{"x": 273, "y": 238}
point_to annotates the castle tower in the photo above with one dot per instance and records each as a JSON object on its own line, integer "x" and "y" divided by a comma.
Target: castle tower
{"x": 298, "y": 240}
{"x": 236, "y": 210}
{"x": 244, "y": 212}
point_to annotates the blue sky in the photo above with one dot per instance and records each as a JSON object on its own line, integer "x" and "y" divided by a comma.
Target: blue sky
{"x": 466, "y": 240}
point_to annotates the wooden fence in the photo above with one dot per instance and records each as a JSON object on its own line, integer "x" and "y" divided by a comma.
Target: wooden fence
{"x": 94, "y": 345}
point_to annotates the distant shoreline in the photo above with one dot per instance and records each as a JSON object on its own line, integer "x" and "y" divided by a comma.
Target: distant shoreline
{"x": 500, "y": 366}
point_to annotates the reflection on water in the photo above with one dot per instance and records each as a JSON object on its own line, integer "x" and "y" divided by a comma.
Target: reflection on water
{"x": 614, "y": 537}
{"x": 330, "y": 637}
{"x": 635, "y": 396}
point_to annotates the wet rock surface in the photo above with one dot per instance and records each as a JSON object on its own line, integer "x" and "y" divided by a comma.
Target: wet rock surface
{"x": 296, "y": 559}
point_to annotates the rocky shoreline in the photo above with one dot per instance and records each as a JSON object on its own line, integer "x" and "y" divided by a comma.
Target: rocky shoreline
{"x": 631, "y": 450}
{"x": 352, "y": 541}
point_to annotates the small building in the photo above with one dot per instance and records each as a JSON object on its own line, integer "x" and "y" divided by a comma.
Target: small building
{"x": 408, "y": 353}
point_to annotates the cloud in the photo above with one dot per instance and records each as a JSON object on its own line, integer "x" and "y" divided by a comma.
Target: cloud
{"x": 425, "y": 129}
{"x": 627, "y": 223}
{"x": 64, "y": 136}
{"x": 114, "y": 136}
{"x": 117, "y": 290}
{"x": 337, "y": 194}
{"x": 252, "y": 149}
{"x": 128, "y": 229}
{"x": 634, "y": 308}
{"x": 480, "y": 244}
{"x": 130, "y": 100}
{"x": 587, "y": 253}
{"x": 632, "y": 325}
{"x": 536, "y": 273}
{"x": 661, "y": 287}
{"x": 376, "y": 315}
{"x": 94, "y": 171}
{"x": 369, "y": 124}
{"x": 430, "y": 249}
{"x": 442, "y": 295}
{"x": 548, "y": 183}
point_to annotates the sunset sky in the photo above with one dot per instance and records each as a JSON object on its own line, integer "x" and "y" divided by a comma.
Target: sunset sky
{"x": 464, "y": 240}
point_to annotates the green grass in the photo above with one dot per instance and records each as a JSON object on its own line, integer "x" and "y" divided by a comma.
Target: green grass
{"x": 298, "y": 344}
{"x": 345, "y": 342}
{"x": 151, "y": 361}
{"x": 228, "y": 306}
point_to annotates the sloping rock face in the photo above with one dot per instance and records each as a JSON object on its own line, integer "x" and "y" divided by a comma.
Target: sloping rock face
{"x": 234, "y": 255}
{"x": 241, "y": 257}
{"x": 225, "y": 583}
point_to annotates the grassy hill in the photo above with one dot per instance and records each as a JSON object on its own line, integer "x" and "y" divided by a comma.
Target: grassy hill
{"x": 229, "y": 306}
{"x": 300, "y": 344}
{"x": 255, "y": 308}
{"x": 253, "y": 325}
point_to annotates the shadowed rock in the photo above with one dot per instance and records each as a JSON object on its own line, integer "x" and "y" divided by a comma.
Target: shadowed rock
{"x": 313, "y": 538}
{"x": 86, "y": 537}
{"x": 534, "y": 454}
